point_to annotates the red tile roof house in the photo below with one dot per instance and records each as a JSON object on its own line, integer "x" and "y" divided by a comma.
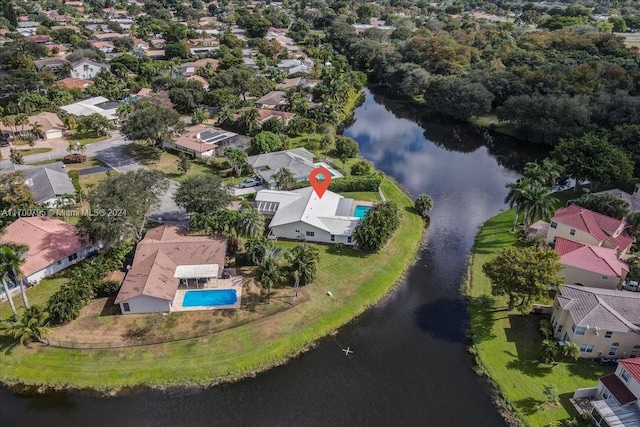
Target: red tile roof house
{"x": 617, "y": 396}
{"x": 166, "y": 259}
{"x": 53, "y": 245}
{"x": 588, "y": 265}
{"x": 582, "y": 225}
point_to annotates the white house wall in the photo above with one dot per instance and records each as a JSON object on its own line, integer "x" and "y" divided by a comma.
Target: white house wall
{"x": 565, "y": 231}
{"x": 59, "y": 265}
{"x": 145, "y": 304}
{"x": 590, "y": 279}
{"x": 297, "y": 231}
{"x": 632, "y": 385}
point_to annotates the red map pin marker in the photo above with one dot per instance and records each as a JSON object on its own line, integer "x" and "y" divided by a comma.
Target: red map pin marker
{"x": 320, "y": 186}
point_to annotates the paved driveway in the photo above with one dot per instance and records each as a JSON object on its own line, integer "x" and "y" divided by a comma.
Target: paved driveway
{"x": 245, "y": 191}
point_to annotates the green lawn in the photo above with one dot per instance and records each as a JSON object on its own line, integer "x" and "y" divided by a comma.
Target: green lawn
{"x": 507, "y": 343}
{"x": 371, "y": 196}
{"x": 168, "y": 164}
{"x": 37, "y": 295}
{"x": 357, "y": 280}
{"x": 36, "y": 150}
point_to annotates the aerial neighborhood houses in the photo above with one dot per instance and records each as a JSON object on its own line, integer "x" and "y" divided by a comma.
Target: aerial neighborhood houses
{"x": 50, "y": 185}
{"x": 207, "y": 141}
{"x": 617, "y": 396}
{"x": 299, "y": 161}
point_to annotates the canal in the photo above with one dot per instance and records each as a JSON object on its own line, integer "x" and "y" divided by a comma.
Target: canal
{"x": 410, "y": 365}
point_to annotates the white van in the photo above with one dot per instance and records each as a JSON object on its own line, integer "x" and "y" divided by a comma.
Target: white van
{"x": 631, "y": 285}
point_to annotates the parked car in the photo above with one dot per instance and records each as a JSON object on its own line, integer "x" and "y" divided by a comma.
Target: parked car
{"x": 4, "y": 142}
{"x": 631, "y": 285}
{"x": 250, "y": 182}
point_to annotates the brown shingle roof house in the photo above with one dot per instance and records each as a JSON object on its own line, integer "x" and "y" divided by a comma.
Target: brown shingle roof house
{"x": 151, "y": 283}
{"x": 53, "y": 245}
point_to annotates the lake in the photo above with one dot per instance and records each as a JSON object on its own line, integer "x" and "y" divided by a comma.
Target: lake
{"x": 410, "y": 365}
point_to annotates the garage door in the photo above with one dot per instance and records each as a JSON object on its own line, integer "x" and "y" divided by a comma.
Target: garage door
{"x": 53, "y": 133}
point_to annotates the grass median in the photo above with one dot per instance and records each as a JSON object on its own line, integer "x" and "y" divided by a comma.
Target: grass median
{"x": 356, "y": 280}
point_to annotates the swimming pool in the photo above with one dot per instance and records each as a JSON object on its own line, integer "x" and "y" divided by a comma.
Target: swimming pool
{"x": 209, "y": 298}
{"x": 360, "y": 211}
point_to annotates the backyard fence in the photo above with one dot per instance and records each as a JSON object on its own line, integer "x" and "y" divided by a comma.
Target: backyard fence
{"x": 302, "y": 297}
{"x": 384, "y": 199}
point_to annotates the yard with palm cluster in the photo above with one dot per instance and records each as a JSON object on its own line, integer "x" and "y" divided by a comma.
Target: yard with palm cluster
{"x": 355, "y": 280}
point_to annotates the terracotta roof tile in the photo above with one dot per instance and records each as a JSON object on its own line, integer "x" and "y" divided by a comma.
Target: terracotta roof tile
{"x": 632, "y": 366}
{"x": 619, "y": 390}
{"x": 590, "y": 258}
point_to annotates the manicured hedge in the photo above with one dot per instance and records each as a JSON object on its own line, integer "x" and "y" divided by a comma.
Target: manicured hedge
{"x": 75, "y": 180}
{"x": 349, "y": 184}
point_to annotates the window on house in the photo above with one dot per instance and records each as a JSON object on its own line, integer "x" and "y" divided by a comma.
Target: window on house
{"x": 572, "y": 232}
{"x": 349, "y": 239}
{"x": 73, "y": 257}
{"x": 578, "y": 330}
{"x": 59, "y": 262}
{"x": 125, "y": 306}
{"x": 566, "y": 337}
{"x": 553, "y": 224}
{"x": 310, "y": 233}
{"x": 608, "y": 334}
{"x": 625, "y": 376}
{"x": 613, "y": 349}
{"x": 605, "y": 277}
{"x": 635, "y": 351}
{"x": 586, "y": 348}
{"x": 606, "y": 394}
{"x": 559, "y": 328}
{"x": 333, "y": 238}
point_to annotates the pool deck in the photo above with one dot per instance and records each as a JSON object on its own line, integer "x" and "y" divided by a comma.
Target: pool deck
{"x": 235, "y": 282}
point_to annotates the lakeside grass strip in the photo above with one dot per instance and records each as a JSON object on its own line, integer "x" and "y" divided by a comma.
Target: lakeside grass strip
{"x": 356, "y": 280}
{"x": 507, "y": 344}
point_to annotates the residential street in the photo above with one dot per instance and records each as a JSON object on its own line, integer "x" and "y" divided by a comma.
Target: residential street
{"x": 111, "y": 153}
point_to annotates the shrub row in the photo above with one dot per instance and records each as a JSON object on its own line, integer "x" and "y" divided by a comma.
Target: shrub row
{"x": 349, "y": 184}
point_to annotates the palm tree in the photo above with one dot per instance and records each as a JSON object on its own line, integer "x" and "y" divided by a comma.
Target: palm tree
{"x": 250, "y": 223}
{"x": 36, "y": 128}
{"x": 11, "y": 258}
{"x": 571, "y": 350}
{"x": 70, "y": 122}
{"x": 198, "y": 221}
{"x": 423, "y": 204}
{"x": 31, "y": 326}
{"x": 124, "y": 109}
{"x": 549, "y": 350}
{"x": 303, "y": 262}
{"x": 284, "y": 179}
{"x": 290, "y": 96}
{"x": 238, "y": 159}
{"x": 22, "y": 120}
{"x": 538, "y": 203}
{"x": 9, "y": 121}
{"x": 545, "y": 174}
{"x": 255, "y": 247}
{"x": 515, "y": 197}
{"x": 326, "y": 142}
{"x": 249, "y": 120}
{"x": 268, "y": 271}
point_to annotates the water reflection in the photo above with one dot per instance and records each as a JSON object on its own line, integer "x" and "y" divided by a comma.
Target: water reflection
{"x": 411, "y": 366}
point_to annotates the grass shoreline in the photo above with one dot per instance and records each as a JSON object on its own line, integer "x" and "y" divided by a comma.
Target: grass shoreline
{"x": 505, "y": 344}
{"x": 234, "y": 354}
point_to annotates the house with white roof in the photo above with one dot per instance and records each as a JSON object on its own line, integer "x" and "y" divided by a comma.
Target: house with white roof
{"x": 299, "y": 161}
{"x": 602, "y": 322}
{"x": 589, "y": 265}
{"x": 302, "y": 215}
{"x": 97, "y": 104}
{"x": 617, "y": 396}
{"x": 87, "y": 69}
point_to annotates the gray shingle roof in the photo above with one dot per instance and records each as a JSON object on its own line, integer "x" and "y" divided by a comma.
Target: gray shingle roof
{"x": 46, "y": 183}
{"x": 299, "y": 161}
{"x": 607, "y": 309}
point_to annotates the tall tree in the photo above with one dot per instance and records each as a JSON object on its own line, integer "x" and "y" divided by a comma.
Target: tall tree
{"x": 516, "y": 196}
{"x": 538, "y": 202}
{"x": 423, "y": 204}
{"x": 523, "y": 274}
{"x": 592, "y": 157}
{"x": 121, "y": 205}
{"x": 269, "y": 271}
{"x": 31, "y": 326}
{"x": 203, "y": 194}
{"x": 377, "y": 227}
{"x": 238, "y": 159}
{"x": 152, "y": 122}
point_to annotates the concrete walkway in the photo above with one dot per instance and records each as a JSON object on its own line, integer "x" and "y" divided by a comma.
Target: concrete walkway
{"x": 245, "y": 191}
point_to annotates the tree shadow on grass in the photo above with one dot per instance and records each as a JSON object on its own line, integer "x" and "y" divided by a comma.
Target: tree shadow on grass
{"x": 530, "y": 368}
{"x": 7, "y": 344}
{"x": 481, "y": 309}
{"x": 524, "y": 332}
{"x": 568, "y": 406}
{"x": 589, "y": 369}
{"x": 528, "y": 406}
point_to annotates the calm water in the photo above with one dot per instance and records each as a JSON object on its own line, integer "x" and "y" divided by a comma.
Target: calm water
{"x": 410, "y": 366}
